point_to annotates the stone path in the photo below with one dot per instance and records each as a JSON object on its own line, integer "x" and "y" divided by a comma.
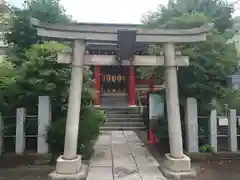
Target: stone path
{"x": 121, "y": 155}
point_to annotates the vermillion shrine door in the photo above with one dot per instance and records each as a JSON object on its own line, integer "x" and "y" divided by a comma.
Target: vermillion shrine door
{"x": 114, "y": 79}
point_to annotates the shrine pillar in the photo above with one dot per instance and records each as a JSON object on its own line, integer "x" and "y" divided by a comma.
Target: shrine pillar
{"x": 131, "y": 86}
{"x": 176, "y": 160}
{"x": 69, "y": 165}
{"x": 97, "y": 74}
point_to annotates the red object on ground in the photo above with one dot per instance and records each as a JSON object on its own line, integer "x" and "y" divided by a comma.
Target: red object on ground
{"x": 151, "y": 137}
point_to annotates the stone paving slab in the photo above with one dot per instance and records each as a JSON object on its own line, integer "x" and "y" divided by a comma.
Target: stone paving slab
{"x": 150, "y": 173}
{"x": 124, "y": 161}
{"x": 100, "y": 173}
{"x": 121, "y": 155}
{"x": 120, "y": 150}
{"x": 102, "y": 157}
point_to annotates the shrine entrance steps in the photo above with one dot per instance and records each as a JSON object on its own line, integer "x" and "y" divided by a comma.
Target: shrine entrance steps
{"x": 120, "y": 116}
{"x": 123, "y": 118}
{"x": 114, "y": 99}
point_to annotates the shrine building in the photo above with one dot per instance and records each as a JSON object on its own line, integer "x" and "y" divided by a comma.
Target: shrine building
{"x": 122, "y": 83}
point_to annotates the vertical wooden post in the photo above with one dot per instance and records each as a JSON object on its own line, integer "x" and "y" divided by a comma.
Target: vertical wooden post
{"x": 97, "y": 74}
{"x": 131, "y": 87}
{"x": 213, "y": 130}
{"x": 44, "y": 120}
{"x": 20, "y": 132}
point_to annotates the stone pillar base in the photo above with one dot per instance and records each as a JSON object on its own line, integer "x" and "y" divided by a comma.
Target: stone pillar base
{"x": 69, "y": 169}
{"x": 177, "y": 168}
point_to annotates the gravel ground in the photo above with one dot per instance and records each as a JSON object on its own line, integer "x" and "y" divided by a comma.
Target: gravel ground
{"x": 210, "y": 170}
{"x": 26, "y": 173}
{"x": 219, "y": 170}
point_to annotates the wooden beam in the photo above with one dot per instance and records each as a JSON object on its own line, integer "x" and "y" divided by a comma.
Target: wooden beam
{"x": 110, "y": 60}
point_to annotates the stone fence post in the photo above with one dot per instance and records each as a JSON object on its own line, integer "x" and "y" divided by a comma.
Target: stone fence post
{"x": 191, "y": 122}
{"x": 232, "y": 130}
{"x": 20, "y": 132}
{"x": 44, "y": 120}
{"x": 1, "y": 134}
{"x": 213, "y": 129}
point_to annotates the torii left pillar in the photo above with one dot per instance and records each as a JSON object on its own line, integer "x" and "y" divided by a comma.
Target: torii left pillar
{"x": 69, "y": 165}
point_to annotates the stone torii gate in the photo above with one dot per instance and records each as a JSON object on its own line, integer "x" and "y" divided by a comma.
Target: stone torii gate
{"x": 69, "y": 165}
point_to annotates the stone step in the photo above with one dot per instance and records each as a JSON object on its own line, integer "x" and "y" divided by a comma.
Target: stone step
{"x": 123, "y": 124}
{"x": 122, "y": 111}
{"x": 112, "y": 95}
{"x": 116, "y": 97}
{"x": 114, "y": 101}
{"x": 104, "y": 128}
{"x": 110, "y": 107}
{"x": 132, "y": 115}
{"x": 123, "y": 114}
{"x": 125, "y": 119}
{"x": 113, "y": 104}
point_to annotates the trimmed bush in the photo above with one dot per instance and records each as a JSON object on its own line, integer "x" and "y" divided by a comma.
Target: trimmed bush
{"x": 89, "y": 130}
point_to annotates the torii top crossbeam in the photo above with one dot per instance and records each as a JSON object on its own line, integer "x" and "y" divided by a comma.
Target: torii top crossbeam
{"x": 109, "y": 32}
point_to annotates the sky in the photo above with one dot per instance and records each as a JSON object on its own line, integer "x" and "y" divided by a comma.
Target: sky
{"x": 120, "y": 11}
{"x": 107, "y": 11}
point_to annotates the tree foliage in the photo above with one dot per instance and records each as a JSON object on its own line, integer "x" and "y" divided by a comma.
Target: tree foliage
{"x": 21, "y": 34}
{"x": 32, "y": 59}
{"x": 212, "y": 61}
{"x": 30, "y": 70}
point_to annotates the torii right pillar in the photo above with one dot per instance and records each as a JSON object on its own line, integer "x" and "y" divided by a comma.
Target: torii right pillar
{"x": 176, "y": 163}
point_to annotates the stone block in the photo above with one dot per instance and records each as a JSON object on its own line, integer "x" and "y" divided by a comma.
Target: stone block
{"x": 177, "y": 168}
{"x": 65, "y": 166}
{"x": 81, "y": 175}
{"x": 178, "y": 165}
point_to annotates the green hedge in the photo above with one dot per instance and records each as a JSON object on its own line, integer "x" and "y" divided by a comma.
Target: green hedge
{"x": 89, "y": 130}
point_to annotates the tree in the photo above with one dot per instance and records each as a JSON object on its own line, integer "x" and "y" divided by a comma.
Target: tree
{"x": 211, "y": 62}
{"x": 23, "y": 52}
{"x": 33, "y": 71}
{"x": 21, "y": 34}
{"x": 47, "y": 11}
{"x": 40, "y": 74}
